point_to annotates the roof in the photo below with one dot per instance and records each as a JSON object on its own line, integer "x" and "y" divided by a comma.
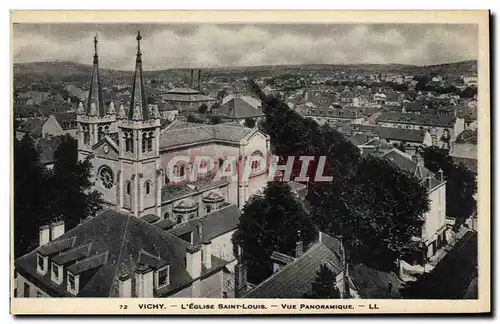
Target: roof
{"x": 219, "y": 222}
{"x": 280, "y": 257}
{"x": 67, "y": 120}
{"x": 295, "y": 279}
{"x": 183, "y": 133}
{"x": 249, "y": 99}
{"x": 424, "y": 119}
{"x": 391, "y": 133}
{"x": 122, "y": 237}
{"x": 238, "y": 108}
{"x": 183, "y": 91}
{"x": 185, "y": 95}
{"x": 416, "y": 169}
{"x": 375, "y": 284}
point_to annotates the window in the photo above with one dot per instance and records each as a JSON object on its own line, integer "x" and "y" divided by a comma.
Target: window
{"x": 166, "y": 215}
{"x": 183, "y": 170}
{"x": 163, "y": 277}
{"x": 148, "y": 187}
{"x": 55, "y": 271}
{"x": 100, "y": 134}
{"x": 71, "y": 282}
{"x": 209, "y": 209}
{"x": 41, "y": 263}
{"x": 150, "y": 142}
{"x": 26, "y": 290}
{"x": 127, "y": 186}
{"x": 255, "y": 166}
{"x": 86, "y": 136}
{"x": 144, "y": 144}
{"x": 179, "y": 219}
{"x": 221, "y": 162}
{"x": 106, "y": 177}
{"x": 129, "y": 144}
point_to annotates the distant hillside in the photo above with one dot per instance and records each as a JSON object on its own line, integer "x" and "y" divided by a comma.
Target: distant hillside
{"x": 63, "y": 70}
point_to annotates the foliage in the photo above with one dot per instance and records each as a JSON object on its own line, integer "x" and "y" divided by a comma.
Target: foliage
{"x": 215, "y": 120}
{"x": 271, "y": 223}
{"x": 250, "y": 122}
{"x": 42, "y": 196}
{"x": 221, "y": 94}
{"x": 401, "y": 146}
{"x": 461, "y": 185}
{"x": 324, "y": 286}
{"x": 202, "y": 109}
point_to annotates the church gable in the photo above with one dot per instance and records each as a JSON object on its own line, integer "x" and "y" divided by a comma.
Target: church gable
{"x": 106, "y": 149}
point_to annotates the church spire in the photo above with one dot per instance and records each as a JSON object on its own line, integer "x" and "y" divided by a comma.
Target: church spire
{"x": 95, "y": 91}
{"x": 138, "y": 105}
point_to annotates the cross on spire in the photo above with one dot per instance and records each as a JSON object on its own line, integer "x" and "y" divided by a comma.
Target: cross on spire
{"x": 95, "y": 49}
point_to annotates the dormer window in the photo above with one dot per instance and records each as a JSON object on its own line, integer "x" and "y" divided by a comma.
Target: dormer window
{"x": 162, "y": 277}
{"x": 42, "y": 263}
{"x": 57, "y": 273}
{"x": 72, "y": 286}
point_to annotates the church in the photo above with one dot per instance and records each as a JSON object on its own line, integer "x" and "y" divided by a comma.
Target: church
{"x": 130, "y": 152}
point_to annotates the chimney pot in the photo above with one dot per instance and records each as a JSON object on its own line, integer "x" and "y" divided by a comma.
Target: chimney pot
{"x": 193, "y": 261}
{"x": 207, "y": 254}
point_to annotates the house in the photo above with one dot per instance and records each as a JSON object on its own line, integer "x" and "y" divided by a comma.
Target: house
{"x": 435, "y": 230}
{"x": 443, "y": 128}
{"x": 293, "y": 275}
{"x": 409, "y": 137}
{"x": 329, "y": 115}
{"x": 237, "y": 109}
{"x": 118, "y": 255}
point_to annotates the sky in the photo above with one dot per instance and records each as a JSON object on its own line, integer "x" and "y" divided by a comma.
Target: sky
{"x": 167, "y": 46}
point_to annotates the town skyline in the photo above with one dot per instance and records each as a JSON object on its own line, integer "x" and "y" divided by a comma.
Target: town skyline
{"x": 177, "y": 46}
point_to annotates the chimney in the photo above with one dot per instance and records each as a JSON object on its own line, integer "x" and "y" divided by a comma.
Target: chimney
{"x": 441, "y": 175}
{"x": 193, "y": 261}
{"x": 144, "y": 281}
{"x": 124, "y": 286}
{"x": 207, "y": 254}
{"x": 428, "y": 182}
{"x": 240, "y": 274}
{"x": 299, "y": 246}
{"x": 56, "y": 229}
{"x": 192, "y": 79}
{"x": 199, "y": 80}
{"x": 44, "y": 234}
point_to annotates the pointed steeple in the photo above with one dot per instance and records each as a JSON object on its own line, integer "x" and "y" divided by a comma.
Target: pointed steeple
{"x": 80, "y": 110}
{"x": 95, "y": 91}
{"x": 111, "y": 109}
{"x": 121, "y": 112}
{"x": 138, "y": 104}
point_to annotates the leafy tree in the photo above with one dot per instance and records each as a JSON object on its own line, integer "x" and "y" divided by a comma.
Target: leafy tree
{"x": 221, "y": 95}
{"x": 376, "y": 211}
{"x": 250, "y": 122}
{"x": 30, "y": 195}
{"x": 215, "y": 120}
{"x": 73, "y": 195}
{"x": 401, "y": 146}
{"x": 202, "y": 109}
{"x": 461, "y": 185}
{"x": 324, "y": 286}
{"x": 271, "y": 223}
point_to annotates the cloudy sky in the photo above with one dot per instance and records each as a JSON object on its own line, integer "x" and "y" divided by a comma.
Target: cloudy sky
{"x": 188, "y": 45}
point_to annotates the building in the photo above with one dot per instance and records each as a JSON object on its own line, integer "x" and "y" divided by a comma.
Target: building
{"x": 293, "y": 275}
{"x": 119, "y": 255}
{"x": 444, "y": 129}
{"x": 131, "y": 155}
{"x": 409, "y": 137}
{"x": 435, "y": 231}
{"x": 331, "y": 115}
{"x": 237, "y": 109}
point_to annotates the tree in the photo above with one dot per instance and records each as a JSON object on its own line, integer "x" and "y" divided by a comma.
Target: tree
{"x": 250, "y": 122}
{"x": 73, "y": 195}
{"x": 270, "y": 223}
{"x": 376, "y": 211}
{"x": 215, "y": 120}
{"x": 461, "y": 185}
{"x": 221, "y": 95}
{"x": 30, "y": 195}
{"x": 203, "y": 109}
{"x": 401, "y": 146}
{"x": 324, "y": 286}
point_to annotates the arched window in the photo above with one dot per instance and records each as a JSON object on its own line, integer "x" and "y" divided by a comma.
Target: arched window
{"x": 183, "y": 170}
{"x": 166, "y": 215}
{"x": 100, "y": 134}
{"x": 150, "y": 142}
{"x": 129, "y": 144}
{"x": 179, "y": 219}
{"x": 86, "y": 136}
{"x": 144, "y": 143}
{"x": 106, "y": 177}
{"x": 147, "y": 186}
{"x": 127, "y": 187}
{"x": 209, "y": 209}
{"x": 221, "y": 162}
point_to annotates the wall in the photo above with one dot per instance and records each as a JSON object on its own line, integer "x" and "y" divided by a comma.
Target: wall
{"x": 34, "y": 290}
{"x": 186, "y": 292}
{"x": 212, "y": 286}
{"x": 222, "y": 246}
{"x": 465, "y": 150}
{"x": 435, "y": 218}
